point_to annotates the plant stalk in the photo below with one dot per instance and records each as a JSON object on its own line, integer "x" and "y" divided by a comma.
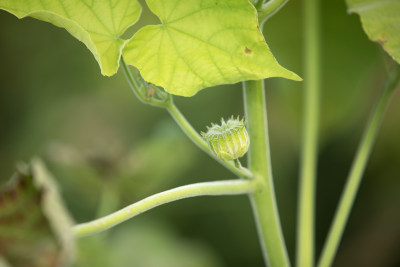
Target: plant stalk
{"x": 259, "y": 160}
{"x": 309, "y": 151}
{"x": 356, "y": 173}
{"x": 217, "y": 188}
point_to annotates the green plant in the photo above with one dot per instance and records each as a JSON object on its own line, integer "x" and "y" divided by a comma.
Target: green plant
{"x": 182, "y": 56}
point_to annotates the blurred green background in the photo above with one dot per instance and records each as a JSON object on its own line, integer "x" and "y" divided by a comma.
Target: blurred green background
{"x": 107, "y": 150}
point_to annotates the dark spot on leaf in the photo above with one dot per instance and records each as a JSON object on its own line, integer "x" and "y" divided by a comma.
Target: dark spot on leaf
{"x": 248, "y": 50}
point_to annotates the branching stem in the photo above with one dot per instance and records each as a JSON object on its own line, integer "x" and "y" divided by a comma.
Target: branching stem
{"x": 217, "y": 188}
{"x": 263, "y": 200}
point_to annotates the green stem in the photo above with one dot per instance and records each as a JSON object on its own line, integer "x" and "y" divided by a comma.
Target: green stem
{"x": 308, "y": 163}
{"x": 201, "y": 143}
{"x": 269, "y": 9}
{"x": 263, "y": 200}
{"x": 356, "y": 174}
{"x": 217, "y": 188}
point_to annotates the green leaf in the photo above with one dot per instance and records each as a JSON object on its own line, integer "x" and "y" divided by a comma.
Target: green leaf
{"x": 35, "y": 229}
{"x": 97, "y": 23}
{"x": 381, "y": 22}
{"x": 202, "y": 43}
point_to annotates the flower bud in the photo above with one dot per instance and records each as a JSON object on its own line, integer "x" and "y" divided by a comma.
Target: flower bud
{"x": 228, "y": 141}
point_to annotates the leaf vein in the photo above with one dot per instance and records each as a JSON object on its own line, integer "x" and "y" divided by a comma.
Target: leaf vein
{"x": 201, "y": 10}
{"x": 185, "y": 60}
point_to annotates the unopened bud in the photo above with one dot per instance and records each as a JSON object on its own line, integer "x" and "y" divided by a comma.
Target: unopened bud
{"x": 228, "y": 141}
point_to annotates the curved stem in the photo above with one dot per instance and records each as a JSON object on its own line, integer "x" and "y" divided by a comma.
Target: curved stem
{"x": 308, "y": 162}
{"x": 269, "y": 9}
{"x": 217, "y": 188}
{"x": 263, "y": 201}
{"x": 356, "y": 174}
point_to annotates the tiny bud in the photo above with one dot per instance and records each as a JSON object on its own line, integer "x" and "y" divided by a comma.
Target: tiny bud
{"x": 228, "y": 141}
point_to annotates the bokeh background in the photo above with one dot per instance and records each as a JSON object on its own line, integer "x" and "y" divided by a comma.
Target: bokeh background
{"x": 107, "y": 150}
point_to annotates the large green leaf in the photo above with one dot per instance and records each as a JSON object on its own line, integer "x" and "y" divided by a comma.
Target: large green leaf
{"x": 381, "y": 22}
{"x": 202, "y": 43}
{"x": 97, "y": 23}
{"x": 35, "y": 229}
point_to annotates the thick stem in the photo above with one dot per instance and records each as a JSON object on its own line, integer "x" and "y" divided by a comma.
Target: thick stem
{"x": 263, "y": 200}
{"x": 228, "y": 187}
{"x": 308, "y": 163}
{"x": 356, "y": 174}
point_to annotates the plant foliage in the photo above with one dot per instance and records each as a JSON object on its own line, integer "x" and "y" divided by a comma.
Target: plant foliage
{"x": 381, "y": 22}
{"x": 200, "y": 43}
